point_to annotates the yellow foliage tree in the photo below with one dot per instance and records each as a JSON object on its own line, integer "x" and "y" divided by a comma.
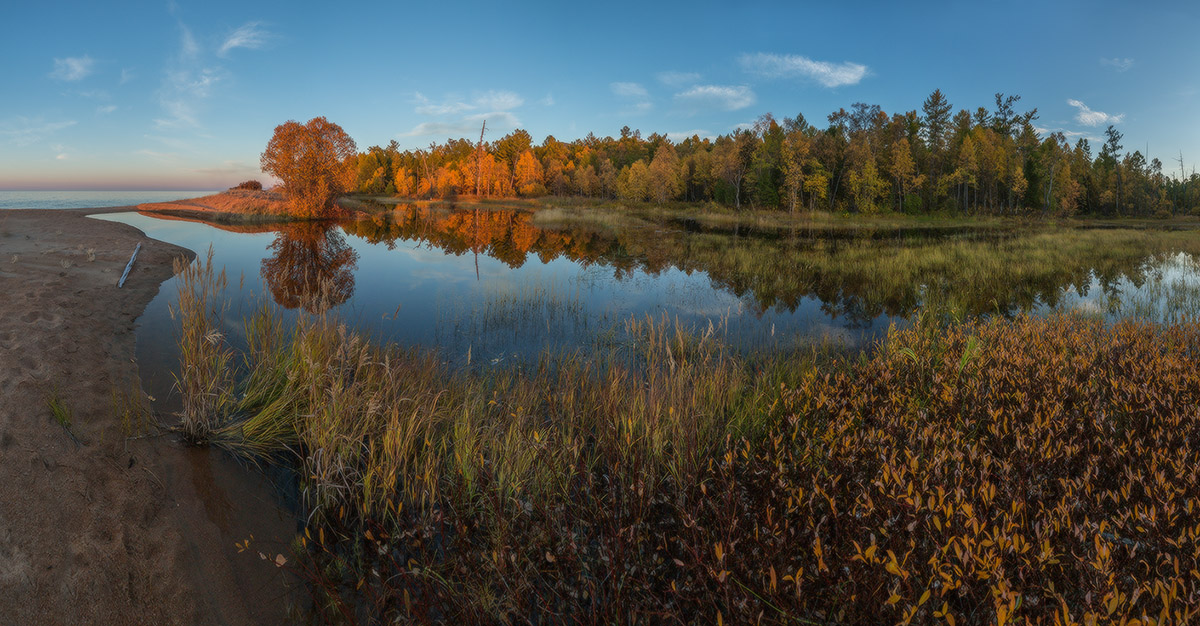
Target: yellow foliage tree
{"x": 529, "y": 175}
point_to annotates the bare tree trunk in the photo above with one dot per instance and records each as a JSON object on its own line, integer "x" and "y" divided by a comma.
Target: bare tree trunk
{"x": 479, "y": 159}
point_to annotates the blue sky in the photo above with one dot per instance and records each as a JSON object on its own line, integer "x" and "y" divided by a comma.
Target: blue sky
{"x": 185, "y": 94}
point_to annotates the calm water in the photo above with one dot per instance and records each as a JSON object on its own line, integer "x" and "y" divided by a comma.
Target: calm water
{"x": 426, "y": 286}
{"x": 500, "y": 286}
{"x": 88, "y": 199}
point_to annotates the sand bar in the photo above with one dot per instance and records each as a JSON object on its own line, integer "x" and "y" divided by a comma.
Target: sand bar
{"x": 106, "y": 530}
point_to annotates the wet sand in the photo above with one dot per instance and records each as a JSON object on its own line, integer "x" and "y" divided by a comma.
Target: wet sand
{"x": 109, "y": 530}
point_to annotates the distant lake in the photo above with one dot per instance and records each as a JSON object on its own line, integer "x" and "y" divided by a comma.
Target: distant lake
{"x": 88, "y": 199}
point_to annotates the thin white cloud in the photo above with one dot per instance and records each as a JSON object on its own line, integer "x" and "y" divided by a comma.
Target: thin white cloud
{"x": 23, "y": 131}
{"x": 498, "y": 100}
{"x": 465, "y": 127}
{"x": 1088, "y": 117}
{"x": 425, "y": 106}
{"x": 1070, "y": 135}
{"x": 795, "y": 66}
{"x": 488, "y": 100}
{"x": 62, "y": 156}
{"x": 629, "y": 90}
{"x": 1118, "y": 64}
{"x": 463, "y": 117}
{"x": 105, "y": 110}
{"x": 188, "y": 48}
{"x": 182, "y": 93}
{"x": 250, "y": 36}
{"x": 495, "y": 119}
{"x": 73, "y": 68}
{"x": 636, "y": 92}
{"x": 678, "y": 79}
{"x": 728, "y": 98}
{"x": 548, "y": 101}
{"x": 683, "y": 135}
{"x": 186, "y": 84}
{"x": 127, "y": 75}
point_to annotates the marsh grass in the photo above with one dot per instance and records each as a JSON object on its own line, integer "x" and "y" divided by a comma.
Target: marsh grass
{"x": 964, "y": 470}
{"x": 979, "y": 470}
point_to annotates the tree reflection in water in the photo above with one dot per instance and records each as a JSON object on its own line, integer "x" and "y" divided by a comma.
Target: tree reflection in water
{"x": 312, "y": 267}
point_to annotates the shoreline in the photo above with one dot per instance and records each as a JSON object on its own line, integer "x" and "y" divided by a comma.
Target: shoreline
{"x": 110, "y": 529}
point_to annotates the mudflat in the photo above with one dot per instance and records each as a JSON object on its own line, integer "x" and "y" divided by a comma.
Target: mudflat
{"x": 96, "y": 527}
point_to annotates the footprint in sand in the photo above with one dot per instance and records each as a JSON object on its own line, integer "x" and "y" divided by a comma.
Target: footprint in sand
{"x": 41, "y": 318}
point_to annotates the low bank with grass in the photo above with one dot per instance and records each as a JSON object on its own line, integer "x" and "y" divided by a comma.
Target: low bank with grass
{"x": 1041, "y": 469}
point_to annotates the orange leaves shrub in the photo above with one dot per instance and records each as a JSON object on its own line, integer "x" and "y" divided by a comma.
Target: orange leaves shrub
{"x": 1044, "y": 470}
{"x": 314, "y": 162}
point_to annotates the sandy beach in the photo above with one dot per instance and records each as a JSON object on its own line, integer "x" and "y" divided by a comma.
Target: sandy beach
{"x": 94, "y": 527}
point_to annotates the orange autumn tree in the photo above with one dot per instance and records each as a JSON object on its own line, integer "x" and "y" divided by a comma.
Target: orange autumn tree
{"x": 312, "y": 160}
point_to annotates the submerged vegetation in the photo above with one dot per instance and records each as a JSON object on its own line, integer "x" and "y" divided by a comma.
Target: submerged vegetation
{"x": 1041, "y": 469}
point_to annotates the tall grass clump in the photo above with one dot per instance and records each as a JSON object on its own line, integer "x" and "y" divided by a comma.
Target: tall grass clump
{"x": 206, "y": 378}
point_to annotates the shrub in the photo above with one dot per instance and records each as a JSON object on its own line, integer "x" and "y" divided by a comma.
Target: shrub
{"x": 251, "y": 185}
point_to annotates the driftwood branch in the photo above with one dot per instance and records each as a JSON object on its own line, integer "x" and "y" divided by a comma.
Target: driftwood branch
{"x": 128, "y": 266}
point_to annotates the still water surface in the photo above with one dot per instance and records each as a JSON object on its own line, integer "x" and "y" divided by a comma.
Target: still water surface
{"x": 496, "y": 286}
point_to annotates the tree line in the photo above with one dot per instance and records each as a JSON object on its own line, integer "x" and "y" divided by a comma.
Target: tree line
{"x": 990, "y": 161}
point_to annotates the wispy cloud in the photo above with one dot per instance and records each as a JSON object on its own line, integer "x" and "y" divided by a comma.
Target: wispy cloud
{"x": 795, "y": 66}
{"x": 187, "y": 83}
{"x": 682, "y": 135}
{"x": 548, "y": 101}
{"x": 1070, "y": 135}
{"x": 73, "y": 68}
{"x": 634, "y": 92}
{"x": 188, "y": 48}
{"x": 127, "y": 75}
{"x": 729, "y": 98}
{"x": 425, "y": 106}
{"x": 677, "y": 79}
{"x": 250, "y": 36}
{"x": 452, "y": 105}
{"x": 629, "y": 90}
{"x": 23, "y": 131}
{"x": 498, "y": 100}
{"x": 1088, "y": 117}
{"x": 105, "y": 110}
{"x": 1118, "y": 64}
{"x": 466, "y": 126}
